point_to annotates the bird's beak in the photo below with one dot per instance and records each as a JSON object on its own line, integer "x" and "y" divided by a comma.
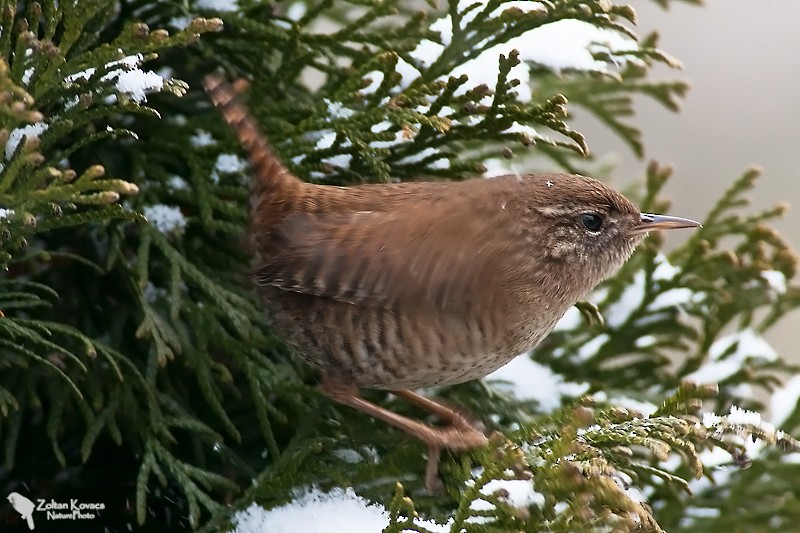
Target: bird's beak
{"x": 661, "y": 222}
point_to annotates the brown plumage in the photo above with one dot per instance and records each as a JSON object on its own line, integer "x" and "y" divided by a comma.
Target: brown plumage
{"x": 401, "y": 286}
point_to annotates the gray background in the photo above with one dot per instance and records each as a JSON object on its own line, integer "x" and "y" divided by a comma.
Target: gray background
{"x": 742, "y": 60}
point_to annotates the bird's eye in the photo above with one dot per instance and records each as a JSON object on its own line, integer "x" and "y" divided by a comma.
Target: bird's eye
{"x": 591, "y": 221}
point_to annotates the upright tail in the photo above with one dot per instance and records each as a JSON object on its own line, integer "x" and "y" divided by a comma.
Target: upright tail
{"x": 269, "y": 174}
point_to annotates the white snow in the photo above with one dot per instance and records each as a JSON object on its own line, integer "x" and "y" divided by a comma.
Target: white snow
{"x": 29, "y": 131}
{"x": 177, "y": 183}
{"x": 340, "y": 160}
{"x": 338, "y": 110}
{"x": 496, "y": 167}
{"x": 27, "y": 75}
{"x": 715, "y": 371}
{"x": 320, "y": 512}
{"x": 137, "y": 83}
{"x": 791, "y": 458}
{"x": 749, "y": 345}
{"x": 784, "y": 401}
{"x": 381, "y": 126}
{"x": 635, "y": 494}
{"x": 703, "y": 512}
{"x": 441, "y": 162}
{"x": 664, "y": 271}
{"x": 569, "y": 44}
{"x": 645, "y": 341}
{"x": 629, "y": 301}
{"x": 738, "y": 417}
{"x": 632, "y": 297}
{"x": 560, "y": 45}
{"x": 375, "y": 79}
{"x": 326, "y": 140}
{"x": 521, "y": 495}
{"x": 572, "y": 319}
{"x": 165, "y": 218}
{"x": 219, "y": 5}
{"x": 591, "y": 347}
{"x": 776, "y": 280}
{"x": 672, "y": 298}
{"x": 711, "y": 420}
{"x": 715, "y": 457}
{"x": 718, "y": 460}
{"x": 516, "y": 127}
{"x": 407, "y": 72}
{"x": 296, "y": 11}
{"x": 348, "y": 455}
{"x": 201, "y": 138}
{"x": 130, "y": 79}
{"x": 230, "y": 163}
{"x": 741, "y": 416}
{"x": 152, "y": 293}
{"x": 529, "y": 380}
{"x": 646, "y": 408}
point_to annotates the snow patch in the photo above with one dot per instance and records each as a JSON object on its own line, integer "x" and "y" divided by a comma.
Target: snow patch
{"x": 529, "y": 380}
{"x": 326, "y": 140}
{"x": 590, "y": 348}
{"x": 338, "y": 110}
{"x": 137, "y": 83}
{"x": 230, "y": 163}
{"x": 749, "y": 346}
{"x": 784, "y": 400}
{"x": 672, "y": 298}
{"x": 646, "y": 408}
{"x": 560, "y": 45}
{"x": 664, "y": 271}
{"x": 27, "y": 75}
{"x": 165, "y": 218}
{"x": 572, "y": 319}
{"x": 520, "y": 494}
{"x": 218, "y": 5}
{"x": 629, "y": 301}
{"x": 496, "y": 167}
{"x": 749, "y": 343}
{"x": 743, "y": 417}
{"x": 320, "y": 512}
{"x": 30, "y": 131}
{"x": 296, "y": 11}
{"x": 375, "y": 78}
{"x": 776, "y": 280}
{"x": 177, "y": 183}
{"x": 130, "y": 80}
{"x": 645, "y": 341}
{"x": 202, "y": 138}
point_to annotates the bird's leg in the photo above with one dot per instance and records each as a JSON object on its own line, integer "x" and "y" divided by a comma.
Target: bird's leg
{"x": 460, "y": 435}
{"x": 442, "y": 411}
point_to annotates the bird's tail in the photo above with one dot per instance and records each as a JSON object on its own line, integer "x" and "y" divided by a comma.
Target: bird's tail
{"x": 270, "y": 177}
{"x": 30, "y": 521}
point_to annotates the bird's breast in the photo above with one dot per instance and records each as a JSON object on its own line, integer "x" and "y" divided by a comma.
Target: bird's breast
{"x": 392, "y": 349}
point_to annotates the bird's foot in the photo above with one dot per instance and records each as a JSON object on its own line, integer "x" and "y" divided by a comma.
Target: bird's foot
{"x": 457, "y": 435}
{"x": 452, "y": 437}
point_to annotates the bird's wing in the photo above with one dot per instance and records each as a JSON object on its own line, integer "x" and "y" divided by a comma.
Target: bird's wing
{"x": 431, "y": 253}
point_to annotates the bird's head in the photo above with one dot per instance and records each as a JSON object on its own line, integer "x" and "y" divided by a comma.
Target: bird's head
{"x": 589, "y": 228}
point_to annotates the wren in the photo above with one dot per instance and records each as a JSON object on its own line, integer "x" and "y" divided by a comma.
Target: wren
{"x": 409, "y": 285}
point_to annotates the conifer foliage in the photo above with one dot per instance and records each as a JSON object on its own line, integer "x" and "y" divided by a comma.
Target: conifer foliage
{"x": 137, "y": 369}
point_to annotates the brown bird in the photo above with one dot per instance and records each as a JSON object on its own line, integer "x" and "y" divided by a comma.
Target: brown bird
{"x": 402, "y": 286}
